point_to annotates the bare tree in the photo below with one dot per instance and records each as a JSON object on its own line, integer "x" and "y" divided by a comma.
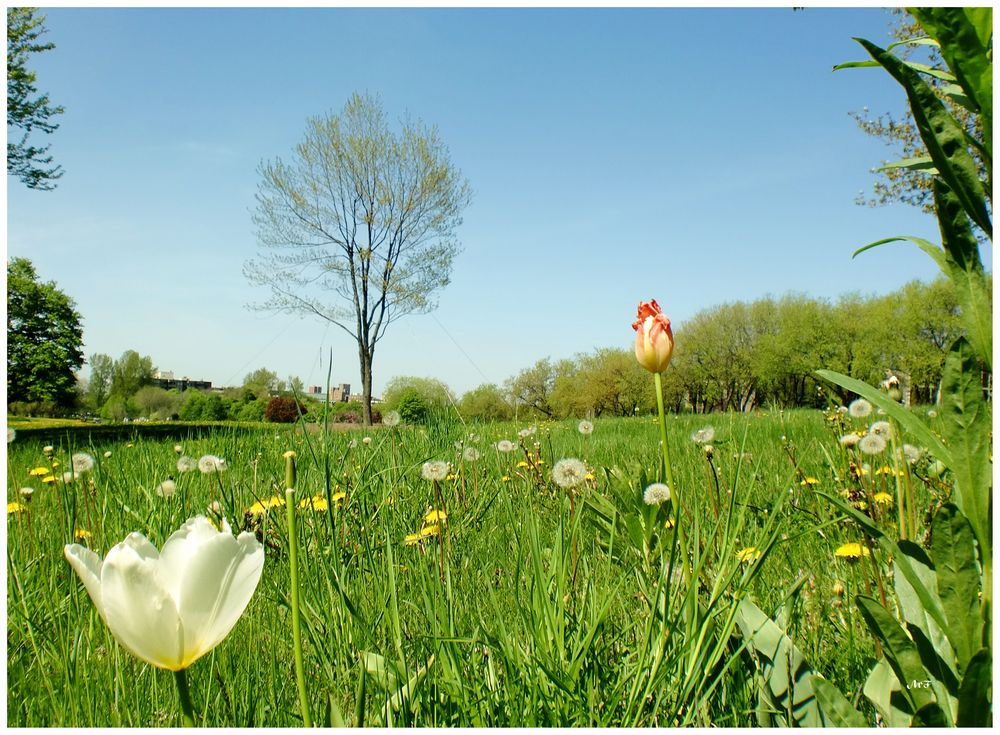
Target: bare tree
{"x": 359, "y": 228}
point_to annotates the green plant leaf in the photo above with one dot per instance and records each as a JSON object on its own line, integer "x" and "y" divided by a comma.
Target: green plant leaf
{"x": 883, "y": 690}
{"x": 966, "y": 425}
{"x": 922, "y": 163}
{"x": 965, "y": 269}
{"x": 835, "y": 709}
{"x": 787, "y": 674}
{"x": 930, "y": 715}
{"x": 928, "y": 247}
{"x": 963, "y": 41}
{"x": 943, "y": 136}
{"x": 974, "y": 695}
{"x": 900, "y": 652}
{"x": 930, "y": 71}
{"x": 908, "y": 420}
{"x": 957, "y": 581}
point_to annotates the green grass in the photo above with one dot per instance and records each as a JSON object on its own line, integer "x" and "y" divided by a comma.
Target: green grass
{"x": 542, "y": 613}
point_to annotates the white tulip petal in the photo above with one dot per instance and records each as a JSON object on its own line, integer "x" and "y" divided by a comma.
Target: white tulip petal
{"x": 87, "y": 565}
{"x": 217, "y": 585}
{"x": 138, "y": 609}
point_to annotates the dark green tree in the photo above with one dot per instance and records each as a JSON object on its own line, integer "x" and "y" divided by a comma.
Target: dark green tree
{"x": 131, "y": 372}
{"x": 44, "y": 338}
{"x": 27, "y": 110}
{"x": 99, "y": 385}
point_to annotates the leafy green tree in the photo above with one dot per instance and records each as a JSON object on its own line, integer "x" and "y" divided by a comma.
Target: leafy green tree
{"x": 434, "y": 392}
{"x": 155, "y": 402}
{"x": 263, "y": 383}
{"x": 194, "y": 404}
{"x": 131, "y": 372}
{"x": 412, "y": 406}
{"x": 486, "y": 403}
{"x": 44, "y": 338}
{"x": 99, "y": 385}
{"x": 364, "y": 215}
{"x": 27, "y": 110}
{"x": 531, "y": 389}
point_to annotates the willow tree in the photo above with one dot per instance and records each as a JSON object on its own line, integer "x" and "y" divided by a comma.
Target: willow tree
{"x": 358, "y": 228}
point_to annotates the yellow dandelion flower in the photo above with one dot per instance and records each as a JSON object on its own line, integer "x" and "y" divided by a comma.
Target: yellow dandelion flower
{"x": 861, "y": 505}
{"x": 589, "y": 476}
{"x": 809, "y": 481}
{"x": 883, "y": 498}
{"x": 49, "y": 479}
{"x": 505, "y": 478}
{"x": 747, "y": 555}
{"x": 522, "y": 464}
{"x": 38, "y": 471}
{"x": 337, "y": 497}
{"x": 883, "y": 471}
{"x": 412, "y": 539}
{"x": 427, "y": 531}
{"x": 670, "y": 523}
{"x": 451, "y": 477}
{"x": 389, "y": 501}
{"x": 16, "y": 507}
{"x": 130, "y": 445}
{"x": 275, "y": 500}
{"x": 852, "y": 551}
{"x": 82, "y": 535}
{"x": 290, "y": 454}
{"x": 316, "y": 502}
{"x": 539, "y": 462}
{"x": 258, "y": 509}
{"x": 435, "y": 516}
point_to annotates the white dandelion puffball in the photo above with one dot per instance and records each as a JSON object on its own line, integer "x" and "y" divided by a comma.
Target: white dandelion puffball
{"x": 506, "y": 446}
{"x": 882, "y": 428}
{"x": 703, "y": 436}
{"x": 391, "y": 418}
{"x": 166, "y": 488}
{"x": 210, "y": 463}
{"x": 585, "y": 427}
{"x": 82, "y": 462}
{"x": 470, "y": 454}
{"x": 434, "y": 470}
{"x": 859, "y": 408}
{"x": 26, "y": 492}
{"x": 47, "y": 450}
{"x": 872, "y": 444}
{"x": 911, "y": 453}
{"x": 849, "y": 440}
{"x": 187, "y": 464}
{"x": 366, "y": 440}
{"x": 68, "y": 477}
{"x": 178, "y": 448}
{"x": 568, "y": 473}
{"x": 525, "y": 433}
{"x": 656, "y": 494}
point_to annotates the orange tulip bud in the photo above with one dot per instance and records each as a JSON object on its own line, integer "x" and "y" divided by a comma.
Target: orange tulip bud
{"x": 654, "y": 342}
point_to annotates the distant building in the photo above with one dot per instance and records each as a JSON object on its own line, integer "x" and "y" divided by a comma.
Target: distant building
{"x": 167, "y": 381}
{"x": 314, "y": 390}
{"x": 341, "y": 394}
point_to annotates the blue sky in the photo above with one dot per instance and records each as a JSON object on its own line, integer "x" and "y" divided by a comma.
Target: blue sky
{"x": 695, "y": 156}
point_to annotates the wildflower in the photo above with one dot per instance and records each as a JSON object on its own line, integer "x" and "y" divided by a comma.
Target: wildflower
{"x": 703, "y": 436}
{"x": 391, "y": 418}
{"x": 748, "y": 555}
{"x": 506, "y": 446}
{"x": 352, "y": 444}
{"x": 82, "y": 535}
{"x": 525, "y": 433}
{"x": 428, "y": 531}
{"x": 654, "y": 340}
{"x": 841, "y": 409}
{"x": 882, "y": 498}
{"x": 522, "y": 464}
{"x": 882, "y": 428}
{"x": 911, "y": 453}
{"x": 366, "y": 440}
{"x": 859, "y": 408}
{"x": 505, "y": 478}
{"x": 82, "y": 463}
{"x": 589, "y": 477}
{"x": 38, "y": 471}
{"x": 809, "y": 481}
{"x": 290, "y": 454}
{"x": 852, "y": 551}
{"x": 568, "y": 473}
{"x": 178, "y": 448}
{"x": 435, "y": 516}
{"x": 585, "y": 427}
{"x": 435, "y": 470}
{"x": 171, "y": 608}
{"x": 210, "y": 463}
{"x": 186, "y": 464}
{"x": 838, "y": 589}
{"x": 49, "y": 479}
{"x": 47, "y": 450}
{"x": 872, "y": 444}
{"x": 316, "y": 502}
{"x": 68, "y": 477}
{"x": 129, "y": 445}
{"x": 709, "y": 450}
{"x": 669, "y": 523}
{"x": 470, "y": 454}
{"x": 26, "y": 492}
{"x": 15, "y": 507}
{"x": 931, "y": 413}
{"x": 883, "y": 471}
{"x": 656, "y": 494}
{"x": 166, "y": 488}
{"x": 412, "y": 539}
{"x": 107, "y": 455}
{"x": 451, "y": 477}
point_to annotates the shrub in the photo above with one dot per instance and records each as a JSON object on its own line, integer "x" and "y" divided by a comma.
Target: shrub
{"x": 283, "y": 410}
{"x": 412, "y": 407}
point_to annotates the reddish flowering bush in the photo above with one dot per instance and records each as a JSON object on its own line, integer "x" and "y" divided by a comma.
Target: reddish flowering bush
{"x": 283, "y": 410}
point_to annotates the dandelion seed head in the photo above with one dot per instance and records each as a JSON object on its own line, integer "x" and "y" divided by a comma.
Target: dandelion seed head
{"x": 506, "y": 446}
{"x": 186, "y": 464}
{"x": 210, "y": 463}
{"x": 882, "y": 428}
{"x": 849, "y": 440}
{"x": 703, "y": 436}
{"x": 872, "y": 444}
{"x": 568, "y": 473}
{"x": 166, "y": 488}
{"x": 656, "y": 494}
{"x": 10, "y": 435}
{"x": 47, "y": 450}
{"x": 391, "y": 418}
{"x": 859, "y": 408}
{"x": 525, "y": 433}
{"x": 178, "y": 448}
{"x": 82, "y": 462}
{"x": 911, "y": 453}
{"x": 434, "y": 470}
{"x": 470, "y": 454}
{"x": 585, "y": 427}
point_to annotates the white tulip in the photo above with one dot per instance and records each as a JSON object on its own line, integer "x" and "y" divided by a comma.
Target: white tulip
{"x": 170, "y": 608}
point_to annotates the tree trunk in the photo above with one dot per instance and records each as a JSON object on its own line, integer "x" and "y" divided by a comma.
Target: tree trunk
{"x": 365, "y": 357}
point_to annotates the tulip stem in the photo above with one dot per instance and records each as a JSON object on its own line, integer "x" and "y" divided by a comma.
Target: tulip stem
{"x": 675, "y": 499}
{"x": 293, "y": 563}
{"x": 187, "y": 711}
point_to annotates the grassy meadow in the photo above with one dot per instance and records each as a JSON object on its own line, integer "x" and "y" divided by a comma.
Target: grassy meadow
{"x": 531, "y": 605}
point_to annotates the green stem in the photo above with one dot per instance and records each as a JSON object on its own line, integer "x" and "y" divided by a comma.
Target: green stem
{"x": 293, "y": 562}
{"x": 675, "y": 495}
{"x": 187, "y": 711}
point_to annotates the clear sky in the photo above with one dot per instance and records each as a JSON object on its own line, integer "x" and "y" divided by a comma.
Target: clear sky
{"x": 695, "y": 156}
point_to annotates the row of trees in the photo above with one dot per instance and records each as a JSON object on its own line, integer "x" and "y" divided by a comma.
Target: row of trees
{"x": 735, "y": 356}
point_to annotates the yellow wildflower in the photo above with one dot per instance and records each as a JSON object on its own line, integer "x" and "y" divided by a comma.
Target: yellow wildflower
{"x": 49, "y": 479}
{"x": 852, "y": 551}
{"x": 670, "y": 523}
{"x": 435, "y": 516}
{"x": 412, "y": 539}
{"x": 747, "y": 555}
{"x": 505, "y": 478}
{"x": 434, "y": 530}
{"x": 316, "y": 502}
{"x": 883, "y": 498}
{"x": 38, "y": 471}
{"x": 82, "y": 535}
{"x": 16, "y": 507}
{"x": 809, "y": 481}
{"x": 522, "y": 464}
